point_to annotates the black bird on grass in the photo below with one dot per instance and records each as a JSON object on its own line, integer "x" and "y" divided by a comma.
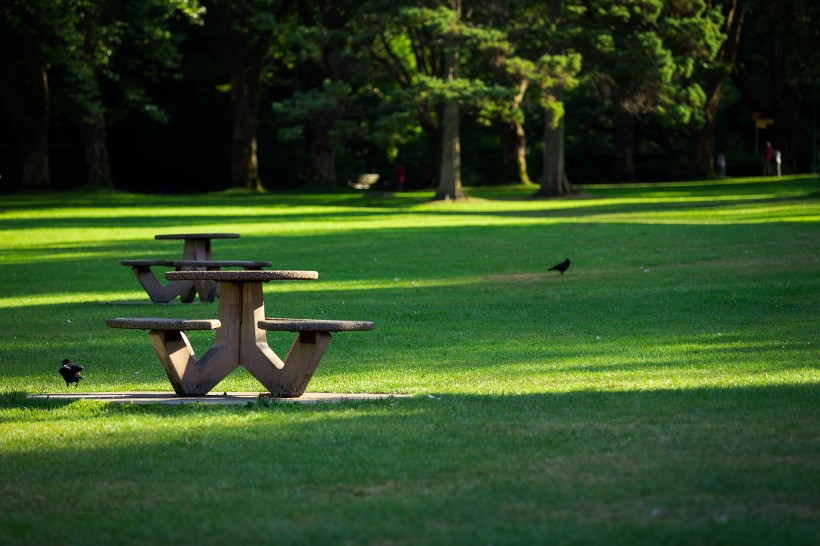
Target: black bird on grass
{"x": 70, "y": 372}
{"x": 563, "y": 266}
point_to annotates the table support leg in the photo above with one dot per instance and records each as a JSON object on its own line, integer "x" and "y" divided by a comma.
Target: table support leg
{"x": 254, "y": 353}
{"x": 223, "y": 357}
{"x": 192, "y": 377}
{"x": 207, "y": 290}
{"x": 176, "y": 356}
{"x": 157, "y": 292}
{"x": 199, "y": 249}
{"x": 302, "y": 361}
{"x": 287, "y": 378}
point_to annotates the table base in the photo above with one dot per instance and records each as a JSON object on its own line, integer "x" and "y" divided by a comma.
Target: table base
{"x": 239, "y": 342}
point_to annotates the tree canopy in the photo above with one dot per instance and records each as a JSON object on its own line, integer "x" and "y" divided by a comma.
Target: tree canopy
{"x": 263, "y": 94}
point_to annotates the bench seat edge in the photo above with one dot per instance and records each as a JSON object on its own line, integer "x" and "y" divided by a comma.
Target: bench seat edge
{"x": 314, "y": 325}
{"x": 152, "y": 323}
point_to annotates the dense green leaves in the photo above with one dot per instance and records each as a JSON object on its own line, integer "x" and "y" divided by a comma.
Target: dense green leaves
{"x": 368, "y": 82}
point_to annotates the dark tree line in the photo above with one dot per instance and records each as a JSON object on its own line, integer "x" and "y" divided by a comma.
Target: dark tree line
{"x": 206, "y": 94}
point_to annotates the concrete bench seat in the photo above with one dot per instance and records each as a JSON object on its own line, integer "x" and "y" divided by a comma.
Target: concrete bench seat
{"x": 314, "y": 325}
{"x": 167, "y": 335}
{"x": 163, "y": 324}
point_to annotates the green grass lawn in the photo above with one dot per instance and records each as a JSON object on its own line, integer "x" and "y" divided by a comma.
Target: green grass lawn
{"x": 665, "y": 390}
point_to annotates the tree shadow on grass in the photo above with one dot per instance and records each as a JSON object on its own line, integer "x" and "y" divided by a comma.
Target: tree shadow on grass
{"x": 697, "y": 466}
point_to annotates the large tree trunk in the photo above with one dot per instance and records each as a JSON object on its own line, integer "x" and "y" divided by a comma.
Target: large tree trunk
{"x": 433, "y": 137}
{"x": 786, "y": 103}
{"x": 703, "y": 137}
{"x": 514, "y": 153}
{"x": 24, "y": 92}
{"x": 623, "y": 137}
{"x": 322, "y": 167}
{"x": 703, "y": 144}
{"x": 247, "y": 50}
{"x": 449, "y": 183}
{"x": 514, "y": 142}
{"x": 554, "y": 181}
{"x": 244, "y": 119}
{"x": 95, "y": 150}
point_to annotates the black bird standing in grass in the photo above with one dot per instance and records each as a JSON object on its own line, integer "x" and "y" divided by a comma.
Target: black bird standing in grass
{"x": 563, "y": 266}
{"x": 71, "y": 372}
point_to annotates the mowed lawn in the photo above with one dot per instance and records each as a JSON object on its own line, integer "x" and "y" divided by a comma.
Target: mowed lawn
{"x": 665, "y": 390}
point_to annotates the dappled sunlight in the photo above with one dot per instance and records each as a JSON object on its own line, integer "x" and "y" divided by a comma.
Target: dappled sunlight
{"x": 271, "y": 215}
{"x": 737, "y": 214}
{"x": 34, "y": 300}
{"x": 369, "y": 284}
{"x": 130, "y": 297}
{"x": 614, "y": 365}
{"x": 61, "y": 253}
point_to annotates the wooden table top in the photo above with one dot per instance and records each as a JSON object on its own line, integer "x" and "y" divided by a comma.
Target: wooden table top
{"x": 242, "y": 276}
{"x": 197, "y": 236}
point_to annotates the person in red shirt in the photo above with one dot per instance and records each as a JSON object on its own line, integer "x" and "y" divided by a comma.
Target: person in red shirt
{"x": 768, "y": 157}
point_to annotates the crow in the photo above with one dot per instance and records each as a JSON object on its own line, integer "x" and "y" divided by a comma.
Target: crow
{"x": 70, "y": 372}
{"x": 563, "y": 266}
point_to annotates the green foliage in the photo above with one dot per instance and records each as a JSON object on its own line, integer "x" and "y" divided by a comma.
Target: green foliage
{"x": 87, "y": 43}
{"x": 640, "y": 55}
{"x": 648, "y": 59}
{"x": 304, "y": 107}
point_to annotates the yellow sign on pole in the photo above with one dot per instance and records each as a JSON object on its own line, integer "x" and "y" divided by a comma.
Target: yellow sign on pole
{"x": 762, "y": 123}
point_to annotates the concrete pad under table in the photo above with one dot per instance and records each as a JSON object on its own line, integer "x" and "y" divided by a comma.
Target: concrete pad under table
{"x": 235, "y": 398}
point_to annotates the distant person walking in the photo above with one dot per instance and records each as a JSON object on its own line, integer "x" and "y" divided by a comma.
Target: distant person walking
{"x": 721, "y": 164}
{"x": 768, "y": 158}
{"x": 777, "y": 161}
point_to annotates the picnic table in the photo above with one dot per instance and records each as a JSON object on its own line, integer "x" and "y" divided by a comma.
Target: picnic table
{"x": 196, "y": 254}
{"x": 187, "y": 290}
{"x": 240, "y": 337}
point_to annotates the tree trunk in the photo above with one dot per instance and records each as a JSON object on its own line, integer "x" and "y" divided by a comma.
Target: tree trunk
{"x": 25, "y": 94}
{"x": 514, "y": 141}
{"x": 786, "y": 104}
{"x": 322, "y": 167}
{"x": 554, "y": 181}
{"x": 449, "y": 183}
{"x": 433, "y": 137}
{"x": 623, "y": 136}
{"x": 94, "y": 136}
{"x": 703, "y": 147}
{"x": 514, "y": 153}
{"x": 703, "y": 138}
{"x": 247, "y": 50}
{"x": 244, "y": 166}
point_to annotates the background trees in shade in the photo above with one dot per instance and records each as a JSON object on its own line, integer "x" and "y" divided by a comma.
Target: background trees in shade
{"x": 197, "y": 96}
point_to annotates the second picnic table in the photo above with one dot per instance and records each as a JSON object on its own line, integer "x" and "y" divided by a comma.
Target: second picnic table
{"x": 197, "y": 246}
{"x": 196, "y": 255}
